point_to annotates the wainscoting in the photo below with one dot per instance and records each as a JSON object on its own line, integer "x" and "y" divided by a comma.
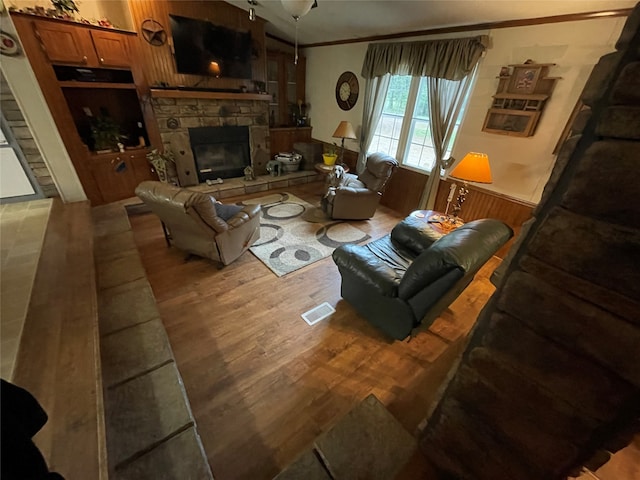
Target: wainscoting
{"x": 405, "y": 188}
{"x": 483, "y": 203}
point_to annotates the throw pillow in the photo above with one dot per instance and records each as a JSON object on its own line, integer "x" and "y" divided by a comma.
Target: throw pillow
{"x": 225, "y": 212}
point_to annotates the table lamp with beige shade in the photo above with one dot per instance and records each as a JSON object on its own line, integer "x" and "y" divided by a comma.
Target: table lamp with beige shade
{"x": 474, "y": 167}
{"x": 344, "y": 130}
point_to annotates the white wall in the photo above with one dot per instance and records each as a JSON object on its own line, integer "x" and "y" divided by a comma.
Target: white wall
{"x": 26, "y": 90}
{"x": 324, "y": 66}
{"x": 13, "y": 179}
{"x": 520, "y": 166}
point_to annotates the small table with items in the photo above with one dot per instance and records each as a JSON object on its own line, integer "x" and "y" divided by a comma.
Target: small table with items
{"x": 440, "y": 222}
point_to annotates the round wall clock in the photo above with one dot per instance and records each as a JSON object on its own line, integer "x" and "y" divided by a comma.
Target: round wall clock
{"x": 347, "y": 90}
{"x": 153, "y": 32}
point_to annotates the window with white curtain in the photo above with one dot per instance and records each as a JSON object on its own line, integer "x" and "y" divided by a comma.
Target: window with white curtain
{"x": 403, "y": 130}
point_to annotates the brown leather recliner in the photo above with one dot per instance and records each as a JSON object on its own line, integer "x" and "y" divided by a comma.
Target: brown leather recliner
{"x": 196, "y": 224}
{"x": 357, "y": 197}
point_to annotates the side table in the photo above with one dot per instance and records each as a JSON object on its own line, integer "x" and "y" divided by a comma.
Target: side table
{"x": 440, "y": 222}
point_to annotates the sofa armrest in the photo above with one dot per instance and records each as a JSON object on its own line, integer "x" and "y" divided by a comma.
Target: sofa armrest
{"x": 368, "y": 268}
{"x": 244, "y": 215}
{"x": 353, "y": 191}
{"x": 414, "y": 234}
{"x": 428, "y": 267}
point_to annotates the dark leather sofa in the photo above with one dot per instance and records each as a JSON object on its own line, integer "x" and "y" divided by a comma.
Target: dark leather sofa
{"x": 410, "y": 276}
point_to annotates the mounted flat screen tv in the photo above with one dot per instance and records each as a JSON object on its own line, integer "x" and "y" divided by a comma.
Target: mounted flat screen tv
{"x": 202, "y": 48}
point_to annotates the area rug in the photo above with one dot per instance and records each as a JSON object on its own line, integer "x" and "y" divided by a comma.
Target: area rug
{"x": 288, "y": 242}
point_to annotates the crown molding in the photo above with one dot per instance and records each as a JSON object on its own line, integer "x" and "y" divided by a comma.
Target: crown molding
{"x": 571, "y": 17}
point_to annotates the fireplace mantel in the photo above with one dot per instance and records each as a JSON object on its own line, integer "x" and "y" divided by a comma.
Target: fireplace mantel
{"x": 164, "y": 93}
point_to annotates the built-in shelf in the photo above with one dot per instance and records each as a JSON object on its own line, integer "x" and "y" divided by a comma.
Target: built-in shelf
{"x": 157, "y": 93}
{"x": 74, "y": 84}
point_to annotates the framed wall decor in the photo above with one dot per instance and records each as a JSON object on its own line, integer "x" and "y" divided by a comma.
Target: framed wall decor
{"x": 515, "y": 123}
{"x": 522, "y": 93}
{"x": 523, "y": 79}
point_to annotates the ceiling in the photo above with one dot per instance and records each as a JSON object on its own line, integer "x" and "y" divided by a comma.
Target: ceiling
{"x": 349, "y": 19}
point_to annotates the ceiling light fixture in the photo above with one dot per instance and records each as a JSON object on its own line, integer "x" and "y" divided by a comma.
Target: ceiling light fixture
{"x": 297, "y": 9}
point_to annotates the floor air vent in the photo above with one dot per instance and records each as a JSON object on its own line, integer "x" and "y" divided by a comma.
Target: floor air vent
{"x": 318, "y": 313}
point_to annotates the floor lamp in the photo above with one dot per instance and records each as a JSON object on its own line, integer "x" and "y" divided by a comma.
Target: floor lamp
{"x": 344, "y": 130}
{"x": 474, "y": 167}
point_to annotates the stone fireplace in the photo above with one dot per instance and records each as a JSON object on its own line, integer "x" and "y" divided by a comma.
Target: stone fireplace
{"x": 220, "y": 152}
{"x": 179, "y": 119}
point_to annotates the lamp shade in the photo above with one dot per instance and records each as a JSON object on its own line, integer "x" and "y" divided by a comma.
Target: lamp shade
{"x": 474, "y": 167}
{"x": 214, "y": 69}
{"x": 297, "y": 8}
{"x": 344, "y": 130}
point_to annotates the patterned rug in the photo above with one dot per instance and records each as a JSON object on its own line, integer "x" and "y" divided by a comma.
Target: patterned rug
{"x": 288, "y": 242}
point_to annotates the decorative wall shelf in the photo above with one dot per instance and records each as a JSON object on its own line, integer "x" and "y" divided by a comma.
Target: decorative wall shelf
{"x": 520, "y": 99}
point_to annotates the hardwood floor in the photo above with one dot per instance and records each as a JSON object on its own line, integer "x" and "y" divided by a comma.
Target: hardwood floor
{"x": 262, "y": 383}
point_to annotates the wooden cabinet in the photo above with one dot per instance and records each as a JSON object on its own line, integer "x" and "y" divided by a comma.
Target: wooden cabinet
{"x": 519, "y": 100}
{"x": 102, "y": 96}
{"x": 118, "y": 174}
{"x": 282, "y": 139}
{"x": 286, "y": 85}
{"x": 68, "y": 44}
{"x": 65, "y": 44}
{"x": 111, "y": 49}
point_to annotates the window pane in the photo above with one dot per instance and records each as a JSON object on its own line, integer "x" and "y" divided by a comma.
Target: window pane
{"x": 397, "y": 95}
{"x": 419, "y": 150}
{"x": 387, "y": 134}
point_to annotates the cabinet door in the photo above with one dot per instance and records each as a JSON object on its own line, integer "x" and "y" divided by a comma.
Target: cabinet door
{"x": 111, "y": 48}
{"x": 114, "y": 175}
{"x": 279, "y": 139}
{"x": 142, "y": 169}
{"x": 66, "y": 43}
{"x": 273, "y": 88}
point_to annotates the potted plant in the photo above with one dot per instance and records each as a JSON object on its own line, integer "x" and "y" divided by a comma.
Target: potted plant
{"x": 65, "y": 8}
{"x": 330, "y": 155}
{"x": 105, "y": 134}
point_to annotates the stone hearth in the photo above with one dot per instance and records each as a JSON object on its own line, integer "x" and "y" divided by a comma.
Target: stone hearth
{"x": 177, "y": 115}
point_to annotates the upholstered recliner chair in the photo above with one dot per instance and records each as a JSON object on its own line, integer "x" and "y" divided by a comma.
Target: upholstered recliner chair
{"x": 407, "y": 278}
{"x": 199, "y": 225}
{"x": 357, "y": 197}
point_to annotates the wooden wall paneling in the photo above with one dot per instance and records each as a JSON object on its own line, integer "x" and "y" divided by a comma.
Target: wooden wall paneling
{"x": 482, "y": 203}
{"x": 144, "y": 93}
{"x": 56, "y": 102}
{"x": 404, "y": 190}
{"x": 158, "y": 62}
